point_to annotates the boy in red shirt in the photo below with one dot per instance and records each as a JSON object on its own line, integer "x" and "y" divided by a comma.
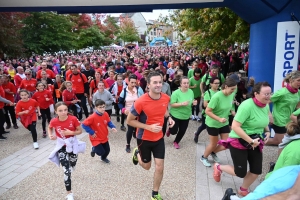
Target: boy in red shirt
{"x": 96, "y": 126}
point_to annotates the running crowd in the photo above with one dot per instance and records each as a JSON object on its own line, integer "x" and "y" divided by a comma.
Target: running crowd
{"x": 155, "y": 92}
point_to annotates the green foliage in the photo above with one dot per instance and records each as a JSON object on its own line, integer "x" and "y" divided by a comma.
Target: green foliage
{"x": 214, "y": 28}
{"x": 128, "y": 32}
{"x": 91, "y": 37}
{"x": 47, "y": 32}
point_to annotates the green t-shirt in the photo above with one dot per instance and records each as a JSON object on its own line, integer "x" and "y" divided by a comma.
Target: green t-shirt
{"x": 206, "y": 81}
{"x": 284, "y": 104}
{"x": 182, "y": 112}
{"x": 221, "y": 106}
{"x": 253, "y": 118}
{"x": 191, "y": 73}
{"x": 297, "y": 112}
{"x": 288, "y": 157}
{"x": 196, "y": 90}
{"x": 207, "y": 96}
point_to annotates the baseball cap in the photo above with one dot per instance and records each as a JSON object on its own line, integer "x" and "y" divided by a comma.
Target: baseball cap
{"x": 235, "y": 77}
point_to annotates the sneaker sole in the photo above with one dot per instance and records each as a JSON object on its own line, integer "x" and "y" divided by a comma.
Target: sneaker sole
{"x": 135, "y": 162}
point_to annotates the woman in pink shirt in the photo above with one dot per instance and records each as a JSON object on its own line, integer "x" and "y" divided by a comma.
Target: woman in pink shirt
{"x": 111, "y": 79}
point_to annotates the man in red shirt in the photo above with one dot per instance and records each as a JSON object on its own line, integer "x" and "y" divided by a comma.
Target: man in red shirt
{"x": 50, "y": 73}
{"x": 81, "y": 87}
{"x": 10, "y": 90}
{"x": 19, "y": 76}
{"x": 147, "y": 115}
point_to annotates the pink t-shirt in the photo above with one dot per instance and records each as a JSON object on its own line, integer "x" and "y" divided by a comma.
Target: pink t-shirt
{"x": 110, "y": 81}
{"x": 130, "y": 98}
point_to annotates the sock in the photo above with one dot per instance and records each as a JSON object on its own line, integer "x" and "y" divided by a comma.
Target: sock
{"x": 154, "y": 193}
{"x": 243, "y": 189}
{"x": 218, "y": 167}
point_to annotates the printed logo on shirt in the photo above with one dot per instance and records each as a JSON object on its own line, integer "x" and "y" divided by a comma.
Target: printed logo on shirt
{"x": 79, "y": 80}
{"x": 98, "y": 124}
{"x": 105, "y": 122}
{"x": 45, "y": 95}
{"x": 30, "y": 108}
{"x": 71, "y": 125}
{"x": 32, "y": 85}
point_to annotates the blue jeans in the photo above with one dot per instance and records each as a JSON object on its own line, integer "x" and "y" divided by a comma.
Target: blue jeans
{"x": 102, "y": 150}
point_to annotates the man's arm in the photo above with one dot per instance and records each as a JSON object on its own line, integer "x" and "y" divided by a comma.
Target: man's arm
{"x": 132, "y": 121}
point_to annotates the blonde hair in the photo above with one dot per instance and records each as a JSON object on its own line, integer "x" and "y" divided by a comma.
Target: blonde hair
{"x": 291, "y": 76}
{"x": 293, "y": 128}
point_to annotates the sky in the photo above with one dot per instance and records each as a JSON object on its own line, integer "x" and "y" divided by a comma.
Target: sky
{"x": 149, "y": 15}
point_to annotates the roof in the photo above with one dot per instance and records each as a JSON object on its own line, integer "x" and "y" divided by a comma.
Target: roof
{"x": 129, "y": 15}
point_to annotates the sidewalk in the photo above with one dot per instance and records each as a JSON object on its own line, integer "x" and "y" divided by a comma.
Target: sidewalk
{"x": 27, "y": 174}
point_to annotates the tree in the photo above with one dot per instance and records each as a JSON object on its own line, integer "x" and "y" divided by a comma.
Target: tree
{"x": 213, "y": 28}
{"x": 11, "y": 42}
{"x": 128, "y": 31}
{"x": 91, "y": 37}
{"x": 48, "y": 32}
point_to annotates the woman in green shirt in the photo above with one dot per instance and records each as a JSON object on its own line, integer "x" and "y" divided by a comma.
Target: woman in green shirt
{"x": 195, "y": 87}
{"x": 181, "y": 110}
{"x": 284, "y": 102}
{"x": 217, "y": 119}
{"x": 249, "y": 132}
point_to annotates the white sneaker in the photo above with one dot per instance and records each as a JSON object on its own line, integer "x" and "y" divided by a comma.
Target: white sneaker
{"x": 205, "y": 162}
{"x": 198, "y": 118}
{"x": 70, "y": 196}
{"x": 193, "y": 117}
{"x": 35, "y": 145}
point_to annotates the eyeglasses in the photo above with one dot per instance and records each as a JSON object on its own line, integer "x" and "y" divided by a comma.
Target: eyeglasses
{"x": 101, "y": 106}
{"x": 268, "y": 94}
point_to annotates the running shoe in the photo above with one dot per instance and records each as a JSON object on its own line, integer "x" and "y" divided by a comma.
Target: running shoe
{"x": 217, "y": 173}
{"x": 123, "y": 128}
{"x": 35, "y": 145}
{"x": 16, "y": 126}
{"x": 44, "y": 134}
{"x": 243, "y": 193}
{"x": 215, "y": 157}
{"x": 8, "y": 127}
{"x": 2, "y": 138}
{"x": 135, "y": 159}
{"x": 118, "y": 119}
{"x": 229, "y": 192}
{"x": 156, "y": 197}
{"x": 193, "y": 118}
{"x": 196, "y": 137}
{"x": 105, "y": 160}
{"x": 70, "y": 196}
{"x": 128, "y": 150}
{"x": 205, "y": 162}
{"x": 176, "y": 145}
{"x": 272, "y": 165}
{"x": 198, "y": 119}
{"x": 93, "y": 152}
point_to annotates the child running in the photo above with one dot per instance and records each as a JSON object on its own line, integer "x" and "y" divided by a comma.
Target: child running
{"x": 70, "y": 99}
{"x": 25, "y": 109}
{"x": 67, "y": 146}
{"x": 96, "y": 125}
{"x": 45, "y": 99}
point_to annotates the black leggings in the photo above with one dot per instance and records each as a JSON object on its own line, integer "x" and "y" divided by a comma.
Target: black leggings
{"x": 179, "y": 128}
{"x": 109, "y": 112}
{"x": 32, "y": 129}
{"x": 68, "y": 162}
{"x": 73, "y": 109}
{"x": 117, "y": 109}
{"x": 130, "y": 132}
{"x": 240, "y": 158}
{"x": 82, "y": 98}
{"x": 11, "y": 111}
{"x": 123, "y": 117}
{"x": 45, "y": 113}
{"x": 201, "y": 127}
{"x": 2, "y": 116}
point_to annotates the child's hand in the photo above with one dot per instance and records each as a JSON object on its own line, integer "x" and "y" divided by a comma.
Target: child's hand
{"x": 94, "y": 135}
{"x": 26, "y": 111}
{"x": 114, "y": 130}
{"x": 39, "y": 114}
{"x": 67, "y": 132}
{"x": 52, "y": 137}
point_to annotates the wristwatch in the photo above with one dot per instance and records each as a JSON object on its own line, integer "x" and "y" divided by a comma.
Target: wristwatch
{"x": 251, "y": 143}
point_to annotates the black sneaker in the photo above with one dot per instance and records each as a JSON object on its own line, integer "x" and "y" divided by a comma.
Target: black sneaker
{"x": 5, "y": 132}
{"x": 135, "y": 159}
{"x": 8, "y": 127}
{"x": 118, "y": 119}
{"x": 228, "y": 193}
{"x": 196, "y": 137}
{"x": 128, "y": 150}
{"x": 123, "y": 128}
{"x": 105, "y": 160}
{"x": 16, "y": 126}
{"x": 2, "y": 138}
{"x": 272, "y": 165}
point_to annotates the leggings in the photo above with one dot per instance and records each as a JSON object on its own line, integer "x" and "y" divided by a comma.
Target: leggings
{"x": 2, "y": 116}
{"x": 123, "y": 117}
{"x": 68, "y": 162}
{"x": 179, "y": 128}
{"x": 117, "y": 109}
{"x": 45, "y": 116}
{"x": 83, "y": 105}
{"x": 130, "y": 132}
{"x": 201, "y": 127}
{"x": 32, "y": 129}
{"x": 196, "y": 107}
{"x": 102, "y": 150}
{"x": 11, "y": 111}
{"x": 73, "y": 109}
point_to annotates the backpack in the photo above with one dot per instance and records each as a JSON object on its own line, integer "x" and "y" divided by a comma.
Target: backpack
{"x": 206, "y": 87}
{"x": 209, "y": 98}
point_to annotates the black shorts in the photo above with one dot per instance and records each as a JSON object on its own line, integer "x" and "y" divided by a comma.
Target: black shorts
{"x": 146, "y": 147}
{"x": 278, "y": 129}
{"x": 216, "y": 131}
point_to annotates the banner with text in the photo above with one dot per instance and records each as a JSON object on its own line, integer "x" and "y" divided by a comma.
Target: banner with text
{"x": 287, "y": 51}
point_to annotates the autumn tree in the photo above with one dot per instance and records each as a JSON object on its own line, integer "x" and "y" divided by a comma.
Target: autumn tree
{"x": 11, "y": 42}
{"x": 47, "y": 32}
{"x": 128, "y": 31}
{"x": 213, "y": 28}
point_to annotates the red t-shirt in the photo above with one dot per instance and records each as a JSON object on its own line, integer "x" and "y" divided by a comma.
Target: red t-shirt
{"x": 40, "y": 97}
{"x": 120, "y": 88}
{"x": 50, "y": 74}
{"x": 68, "y": 96}
{"x": 99, "y": 125}
{"x": 70, "y": 123}
{"x": 30, "y": 105}
{"x": 12, "y": 88}
{"x": 78, "y": 82}
{"x": 150, "y": 111}
{"x": 17, "y": 80}
{"x": 29, "y": 85}
{"x": 2, "y": 94}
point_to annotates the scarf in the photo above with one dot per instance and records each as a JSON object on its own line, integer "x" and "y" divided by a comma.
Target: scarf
{"x": 212, "y": 75}
{"x": 197, "y": 78}
{"x": 258, "y": 103}
{"x": 290, "y": 89}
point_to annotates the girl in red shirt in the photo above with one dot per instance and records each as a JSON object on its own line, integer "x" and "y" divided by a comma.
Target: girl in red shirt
{"x": 70, "y": 99}
{"x": 28, "y": 83}
{"x": 65, "y": 126}
{"x": 25, "y": 109}
{"x": 45, "y": 99}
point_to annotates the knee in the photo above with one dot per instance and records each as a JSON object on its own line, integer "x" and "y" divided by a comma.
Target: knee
{"x": 159, "y": 168}
{"x": 240, "y": 172}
